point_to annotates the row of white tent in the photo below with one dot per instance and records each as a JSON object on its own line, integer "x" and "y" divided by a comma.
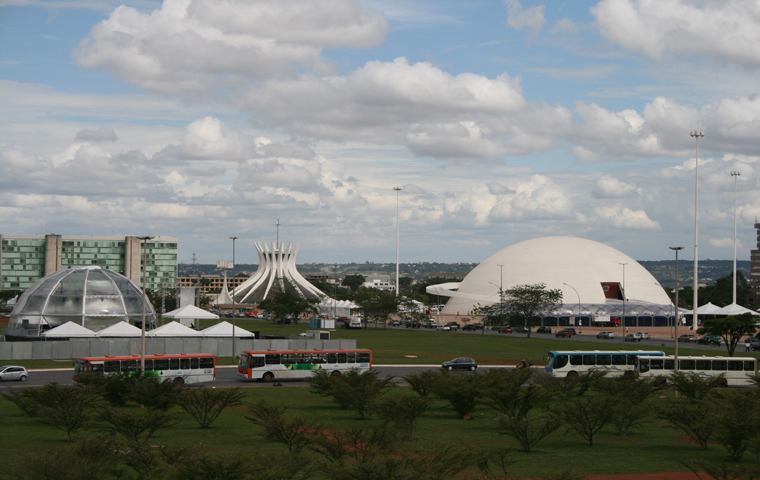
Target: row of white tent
{"x": 710, "y": 309}
{"x": 126, "y": 330}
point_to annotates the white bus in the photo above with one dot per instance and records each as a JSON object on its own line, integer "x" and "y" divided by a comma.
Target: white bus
{"x": 736, "y": 371}
{"x": 615, "y": 363}
{"x": 268, "y": 365}
{"x": 180, "y": 368}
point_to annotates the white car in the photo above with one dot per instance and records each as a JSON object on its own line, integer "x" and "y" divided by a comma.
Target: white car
{"x": 12, "y": 372}
{"x": 644, "y": 336}
{"x": 444, "y": 328}
{"x": 605, "y": 335}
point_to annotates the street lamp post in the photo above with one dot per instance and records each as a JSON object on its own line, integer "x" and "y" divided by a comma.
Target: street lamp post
{"x": 142, "y": 351}
{"x": 695, "y": 315}
{"x": 735, "y": 174}
{"x": 398, "y": 189}
{"x": 579, "y": 304}
{"x": 233, "y": 238}
{"x": 677, "y": 315}
{"x": 622, "y": 323}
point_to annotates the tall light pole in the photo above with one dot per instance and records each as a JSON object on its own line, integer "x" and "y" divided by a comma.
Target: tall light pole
{"x": 142, "y": 354}
{"x": 735, "y": 174}
{"x": 695, "y": 315}
{"x": 398, "y": 189}
{"x": 676, "y": 249}
{"x": 233, "y": 293}
{"x": 501, "y": 295}
{"x": 622, "y": 323}
{"x": 579, "y": 302}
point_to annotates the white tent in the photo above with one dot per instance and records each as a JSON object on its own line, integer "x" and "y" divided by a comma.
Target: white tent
{"x": 187, "y": 314}
{"x": 224, "y": 329}
{"x": 707, "y": 309}
{"x": 174, "y": 329}
{"x": 69, "y": 330}
{"x": 734, "y": 309}
{"x": 121, "y": 329}
{"x": 340, "y": 308}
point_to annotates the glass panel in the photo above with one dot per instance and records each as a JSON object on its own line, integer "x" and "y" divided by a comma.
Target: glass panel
{"x": 194, "y": 363}
{"x": 129, "y": 365}
{"x": 603, "y": 359}
{"x": 735, "y": 365}
{"x": 64, "y": 305}
{"x": 574, "y": 359}
{"x": 670, "y": 364}
{"x": 655, "y": 364}
{"x": 341, "y": 358}
{"x": 589, "y": 359}
{"x": 321, "y": 358}
{"x": 104, "y": 306}
{"x": 112, "y": 366}
{"x": 618, "y": 360}
{"x": 207, "y": 362}
{"x": 362, "y": 357}
{"x": 161, "y": 364}
{"x": 288, "y": 358}
{"x": 34, "y": 304}
{"x": 719, "y": 365}
{"x": 351, "y": 357}
{"x": 184, "y": 364}
{"x": 98, "y": 323}
{"x": 273, "y": 358}
{"x": 631, "y": 359}
{"x": 703, "y": 365}
{"x": 332, "y": 358}
{"x": 96, "y": 368}
{"x": 561, "y": 361}
{"x": 148, "y": 365}
{"x": 99, "y": 284}
{"x": 174, "y": 364}
{"x": 686, "y": 364}
{"x": 73, "y": 284}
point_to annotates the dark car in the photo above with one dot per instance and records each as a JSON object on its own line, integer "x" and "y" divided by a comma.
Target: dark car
{"x": 412, "y": 324}
{"x": 543, "y": 330}
{"x": 709, "y": 340}
{"x": 460, "y": 363}
{"x": 453, "y": 325}
{"x": 564, "y": 334}
{"x": 522, "y": 329}
{"x": 473, "y": 326}
{"x": 498, "y": 327}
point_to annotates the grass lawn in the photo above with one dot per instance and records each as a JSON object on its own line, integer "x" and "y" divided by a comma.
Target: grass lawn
{"x": 655, "y": 447}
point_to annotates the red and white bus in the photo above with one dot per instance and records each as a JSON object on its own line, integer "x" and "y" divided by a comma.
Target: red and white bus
{"x": 179, "y": 368}
{"x": 268, "y": 365}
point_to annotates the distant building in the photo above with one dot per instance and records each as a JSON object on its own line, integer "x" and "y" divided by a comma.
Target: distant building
{"x": 380, "y": 282}
{"x": 753, "y": 299}
{"x": 24, "y": 259}
{"x": 322, "y": 278}
{"x": 455, "y": 276}
{"x": 209, "y": 283}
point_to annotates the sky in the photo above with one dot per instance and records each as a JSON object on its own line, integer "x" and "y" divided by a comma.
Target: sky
{"x": 501, "y": 121}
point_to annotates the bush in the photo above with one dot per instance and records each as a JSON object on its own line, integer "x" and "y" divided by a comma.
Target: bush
{"x": 462, "y": 391}
{"x": 353, "y": 389}
{"x": 295, "y": 434}
{"x": 206, "y": 404}
{"x": 403, "y": 411}
{"x": 66, "y": 408}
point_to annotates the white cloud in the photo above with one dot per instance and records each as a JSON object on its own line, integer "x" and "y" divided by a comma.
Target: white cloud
{"x": 728, "y": 30}
{"x": 625, "y": 218}
{"x": 197, "y": 45}
{"x": 520, "y": 17}
{"x": 564, "y": 25}
{"x": 102, "y": 134}
{"x": 609, "y": 187}
{"x": 724, "y": 243}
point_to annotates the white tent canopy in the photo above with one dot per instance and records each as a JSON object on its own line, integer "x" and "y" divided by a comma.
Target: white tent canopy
{"x": 224, "y": 329}
{"x": 339, "y": 308}
{"x": 707, "y": 309}
{"x": 121, "y": 329}
{"x": 69, "y": 330}
{"x": 185, "y": 315}
{"x": 734, "y": 309}
{"x": 174, "y": 329}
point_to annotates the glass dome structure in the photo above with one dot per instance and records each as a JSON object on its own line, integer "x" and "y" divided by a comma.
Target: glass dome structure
{"x": 92, "y": 297}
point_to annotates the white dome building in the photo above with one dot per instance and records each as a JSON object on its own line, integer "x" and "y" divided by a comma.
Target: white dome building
{"x": 589, "y": 274}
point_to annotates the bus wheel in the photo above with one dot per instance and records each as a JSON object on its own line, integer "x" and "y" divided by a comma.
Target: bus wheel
{"x": 335, "y": 374}
{"x": 178, "y": 382}
{"x": 268, "y": 377}
{"x": 628, "y": 374}
{"x": 723, "y": 383}
{"x": 572, "y": 374}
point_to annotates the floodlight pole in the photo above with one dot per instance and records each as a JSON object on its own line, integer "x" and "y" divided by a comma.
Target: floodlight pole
{"x": 735, "y": 174}
{"x": 677, "y": 315}
{"x": 142, "y": 354}
{"x": 695, "y": 314}
{"x": 398, "y": 189}
{"x": 622, "y": 323}
{"x": 233, "y": 293}
{"x": 579, "y": 305}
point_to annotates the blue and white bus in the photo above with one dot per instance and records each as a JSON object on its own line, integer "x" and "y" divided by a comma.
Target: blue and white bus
{"x": 736, "y": 371}
{"x": 569, "y": 363}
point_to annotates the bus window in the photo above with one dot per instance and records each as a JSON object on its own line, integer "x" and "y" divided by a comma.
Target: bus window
{"x": 589, "y": 359}
{"x": 332, "y": 358}
{"x": 174, "y": 364}
{"x": 318, "y": 358}
{"x": 161, "y": 364}
{"x": 273, "y": 358}
{"x": 129, "y": 365}
{"x": 719, "y": 365}
{"x": 257, "y": 361}
{"x": 619, "y": 360}
{"x": 686, "y": 364}
{"x": 643, "y": 365}
{"x": 341, "y": 358}
{"x": 148, "y": 365}
{"x": 670, "y": 364}
{"x": 631, "y": 359}
{"x": 288, "y": 358}
{"x": 194, "y": 363}
{"x": 243, "y": 361}
{"x": 735, "y": 365}
{"x": 304, "y": 358}
{"x": 603, "y": 359}
{"x": 703, "y": 365}
{"x": 112, "y": 366}
{"x": 749, "y": 366}
{"x": 96, "y": 367}
{"x": 561, "y": 360}
{"x": 362, "y": 357}
{"x": 206, "y": 362}
{"x": 575, "y": 360}
{"x": 184, "y": 364}
{"x": 351, "y": 357}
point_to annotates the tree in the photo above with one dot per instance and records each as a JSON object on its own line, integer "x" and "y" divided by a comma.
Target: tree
{"x": 403, "y": 411}
{"x": 731, "y": 329}
{"x": 462, "y": 391}
{"x": 287, "y": 301}
{"x": 353, "y": 282}
{"x": 136, "y": 427}
{"x": 355, "y": 390}
{"x": 587, "y": 415}
{"x": 529, "y": 301}
{"x": 296, "y": 434}
{"x": 65, "y": 407}
{"x": 206, "y": 404}
{"x": 376, "y": 304}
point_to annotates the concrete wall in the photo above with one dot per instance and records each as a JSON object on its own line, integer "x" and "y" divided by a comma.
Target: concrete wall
{"x": 221, "y": 347}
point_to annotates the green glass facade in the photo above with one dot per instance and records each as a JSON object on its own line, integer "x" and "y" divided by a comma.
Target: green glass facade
{"x": 24, "y": 259}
